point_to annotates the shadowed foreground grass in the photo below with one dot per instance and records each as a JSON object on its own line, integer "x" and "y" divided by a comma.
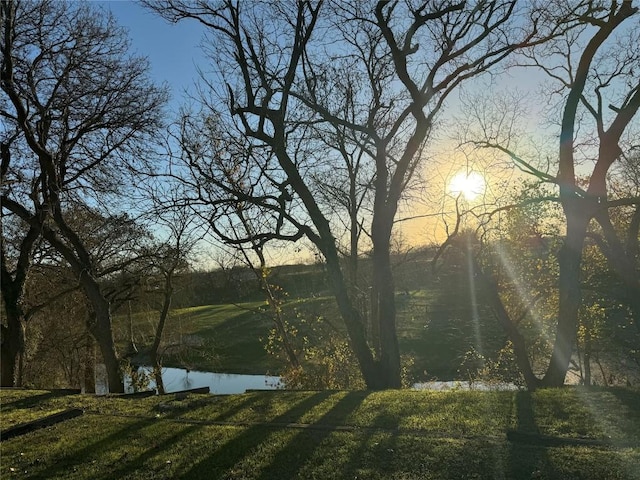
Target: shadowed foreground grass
{"x": 325, "y": 435}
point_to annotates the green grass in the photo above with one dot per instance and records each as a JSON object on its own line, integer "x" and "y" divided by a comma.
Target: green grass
{"x": 230, "y": 337}
{"x": 222, "y": 338}
{"x": 331, "y": 434}
{"x": 434, "y": 326}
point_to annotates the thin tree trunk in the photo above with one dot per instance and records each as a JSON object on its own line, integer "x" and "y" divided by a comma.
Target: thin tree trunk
{"x": 276, "y": 309}
{"x": 132, "y": 342}
{"x": 587, "y": 357}
{"x": 164, "y": 313}
{"x": 374, "y": 314}
{"x": 517, "y": 340}
{"x": 570, "y": 262}
{"x": 157, "y": 375}
{"x": 289, "y": 351}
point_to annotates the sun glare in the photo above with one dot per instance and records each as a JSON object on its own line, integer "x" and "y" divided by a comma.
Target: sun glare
{"x": 470, "y": 185}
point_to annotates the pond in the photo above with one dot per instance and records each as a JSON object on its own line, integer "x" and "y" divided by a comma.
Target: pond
{"x": 176, "y": 379}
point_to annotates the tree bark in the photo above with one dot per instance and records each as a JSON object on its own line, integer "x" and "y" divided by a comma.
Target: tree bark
{"x": 386, "y": 312}
{"x": 570, "y": 262}
{"x": 12, "y": 348}
{"x": 100, "y": 328}
{"x": 12, "y": 334}
{"x": 12, "y": 286}
{"x": 164, "y": 313}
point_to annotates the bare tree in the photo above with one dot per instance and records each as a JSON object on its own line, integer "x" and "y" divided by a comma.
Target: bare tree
{"x": 81, "y": 108}
{"x": 290, "y": 68}
{"x": 179, "y": 235}
{"x": 585, "y": 65}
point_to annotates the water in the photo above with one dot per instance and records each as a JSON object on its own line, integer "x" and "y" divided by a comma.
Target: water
{"x": 176, "y": 379}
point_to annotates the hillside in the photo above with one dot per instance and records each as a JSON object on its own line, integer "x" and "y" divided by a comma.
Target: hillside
{"x": 440, "y": 320}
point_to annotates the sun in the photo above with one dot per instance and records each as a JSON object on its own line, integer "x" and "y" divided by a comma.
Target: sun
{"x": 470, "y": 185}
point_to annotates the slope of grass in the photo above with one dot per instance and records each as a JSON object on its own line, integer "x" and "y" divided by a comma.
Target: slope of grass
{"x": 435, "y": 325}
{"x": 231, "y": 337}
{"x": 223, "y": 338}
{"x": 373, "y": 435}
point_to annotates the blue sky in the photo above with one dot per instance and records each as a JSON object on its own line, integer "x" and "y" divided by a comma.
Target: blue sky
{"x": 173, "y": 50}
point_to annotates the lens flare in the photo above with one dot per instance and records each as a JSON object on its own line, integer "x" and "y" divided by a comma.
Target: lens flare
{"x": 469, "y": 185}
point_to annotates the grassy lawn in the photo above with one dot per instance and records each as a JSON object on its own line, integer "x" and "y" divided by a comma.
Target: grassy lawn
{"x": 229, "y": 338}
{"x": 435, "y": 326}
{"x": 221, "y": 338}
{"x": 331, "y": 434}
{"x": 226, "y": 338}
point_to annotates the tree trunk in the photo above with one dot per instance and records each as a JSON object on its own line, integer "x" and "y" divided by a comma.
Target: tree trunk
{"x": 157, "y": 375}
{"x": 131, "y": 349}
{"x": 89, "y": 376}
{"x": 12, "y": 350}
{"x": 386, "y": 311}
{"x": 569, "y": 262}
{"x": 354, "y": 323}
{"x": 101, "y": 329}
{"x": 511, "y": 329}
{"x": 157, "y": 370}
{"x": 587, "y": 357}
{"x": 12, "y": 287}
{"x": 164, "y": 313}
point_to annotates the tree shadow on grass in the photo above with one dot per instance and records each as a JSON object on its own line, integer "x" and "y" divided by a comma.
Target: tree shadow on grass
{"x": 188, "y": 410}
{"x": 629, "y": 398}
{"x": 629, "y": 422}
{"x": 35, "y": 400}
{"x": 528, "y": 461}
{"x": 229, "y": 454}
{"x": 165, "y": 444}
{"x": 95, "y": 448}
{"x": 376, "y": 449}
{"x": 180, "y": 432}
{"x": 306, "y": 440}
{"x": 245, "y": 404}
